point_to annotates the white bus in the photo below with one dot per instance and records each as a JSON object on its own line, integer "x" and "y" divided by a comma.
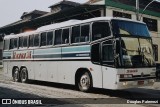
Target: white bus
{"x": 103, "y": 52}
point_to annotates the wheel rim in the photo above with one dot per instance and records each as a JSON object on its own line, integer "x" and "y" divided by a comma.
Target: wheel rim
{"x": 16, "y": 75}
{"x": 85, "y": 82}
{"x": 23, "y": 75}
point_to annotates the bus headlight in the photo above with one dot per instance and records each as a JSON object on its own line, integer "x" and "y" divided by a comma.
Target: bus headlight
{"x": 125, "y": 75}
{"x": 125, "y": 83}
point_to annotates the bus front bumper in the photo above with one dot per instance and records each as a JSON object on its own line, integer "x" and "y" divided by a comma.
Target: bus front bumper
{"x": 134, "y": 83}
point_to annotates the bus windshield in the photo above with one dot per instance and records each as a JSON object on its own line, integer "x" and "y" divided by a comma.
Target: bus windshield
{"x": 133, "y": 44}
{"x": 135, "y": 52}
{"x": 129, "y": 28}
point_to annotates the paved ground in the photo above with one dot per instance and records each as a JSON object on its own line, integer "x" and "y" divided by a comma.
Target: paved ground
{"x": 67, "y": 95}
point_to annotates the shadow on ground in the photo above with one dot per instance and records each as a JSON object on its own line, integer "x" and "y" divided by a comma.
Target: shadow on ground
{"x": 133, "y": 93}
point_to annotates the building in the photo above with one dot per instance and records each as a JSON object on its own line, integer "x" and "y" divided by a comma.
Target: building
{"x": 127, "y": 9}
{"x": 66, "y": 10}
{"x": 62, "y": 11}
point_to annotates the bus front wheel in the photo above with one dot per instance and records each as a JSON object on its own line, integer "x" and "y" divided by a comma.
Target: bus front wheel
{"x": 24, "y": 75}
{"x": 84, "y": 83}
{"x": 16, "y": 75}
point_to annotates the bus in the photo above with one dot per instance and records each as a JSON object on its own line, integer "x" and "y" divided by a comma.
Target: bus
{"x": 102, "y": 52}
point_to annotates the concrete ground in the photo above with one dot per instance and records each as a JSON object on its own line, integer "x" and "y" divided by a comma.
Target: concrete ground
{"x": 67, "y": 95}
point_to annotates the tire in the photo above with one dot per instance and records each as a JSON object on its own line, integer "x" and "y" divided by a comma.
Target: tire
{"x": 158, "y": 75}
{"x": 84, "y": 82}
{"x": 16, "y": 75}
{"x": 24, "y": 75}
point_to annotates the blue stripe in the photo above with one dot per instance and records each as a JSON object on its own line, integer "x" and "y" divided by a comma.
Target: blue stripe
{"x": 44, "y": 51}
{"x": 76, "y": 49}
{"x": 47, "y": 56}
{"x": 63, "y": 55}
{"x": 76, "y": 55}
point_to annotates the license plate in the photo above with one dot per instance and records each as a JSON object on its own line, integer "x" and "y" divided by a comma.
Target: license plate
{"x": 140, "y": 82}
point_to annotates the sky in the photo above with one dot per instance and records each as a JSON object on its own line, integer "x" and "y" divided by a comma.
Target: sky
{"x": 12, "y": 10}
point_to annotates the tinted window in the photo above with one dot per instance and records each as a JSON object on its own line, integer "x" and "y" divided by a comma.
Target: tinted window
{"x": 95, "y": 55}
{"x": 49, "y": 38}
{"x": 6, "y": 45}
{"x": 107, "y": 53}
{"x": 25, "y": 40}
{"x": 65, "y": 36}
{"x": 43, "y": 39}
{"x": 15, "y": 43}
{"x": 58, "y": 37}
{"x": 75, "y": 34}
{"x": 20, "y": 42}
{"x": 31, "y": 38}
{"x": 11, "y": 43}
{"x": 128, "y": 28}
{"x": 84, "y": 33}
{"x": 100, "y": 30}
{"x": 36, "y": 40}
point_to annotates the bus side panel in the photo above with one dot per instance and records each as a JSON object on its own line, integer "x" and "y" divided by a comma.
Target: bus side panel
{"x": 74, "y": 58}
{"x": 51, "y": 70}
{"x": 40, "y": 70}
{"x": 29, "y": 65}
{"x": 45, "y": 63}
{"x": 96, "y": 75}
{"x": 109, "y": 77}
{"x": 5, "y": 68}
{"x": 67, "y": 71}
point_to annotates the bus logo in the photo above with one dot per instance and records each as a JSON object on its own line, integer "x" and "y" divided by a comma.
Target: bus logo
{"x": 22, "y": 55}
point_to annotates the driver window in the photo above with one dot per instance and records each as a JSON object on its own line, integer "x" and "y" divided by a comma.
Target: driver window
{"x": 107, "y": 53}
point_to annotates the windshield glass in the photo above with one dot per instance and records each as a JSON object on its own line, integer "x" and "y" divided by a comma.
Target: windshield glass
{"x": 135, "y": 52}
{"x": 129, "y": 28}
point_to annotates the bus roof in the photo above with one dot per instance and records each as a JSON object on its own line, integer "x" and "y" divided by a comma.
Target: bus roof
{"x": 66, "y": 24}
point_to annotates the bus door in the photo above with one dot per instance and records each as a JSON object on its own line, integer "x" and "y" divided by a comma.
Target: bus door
{"x": 107, "y": 64}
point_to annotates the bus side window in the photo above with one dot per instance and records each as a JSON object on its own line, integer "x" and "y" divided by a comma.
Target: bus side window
{"x": 49, "y": 38}
{"x": 100, "y": 30}
{"x": 25, "y": 40}
{"x": 31, "y": 39}
{"x": 65, "y": 36}
{"x": 43, "y": 39}
{"x": 36, "y": 40}
{"x": 6, "y": 44}
{"x": 13, "y": 43}
{"x": 20, "y": 42}
{"x": 75, "y": 38}
{"x": 85, "y": 31}
{"x": 107, "y": 53}
{"x": 95, "y": 53}
{"x": 58, "y": 37}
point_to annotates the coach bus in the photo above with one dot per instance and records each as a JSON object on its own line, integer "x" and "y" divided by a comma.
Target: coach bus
{"x": 102, "y": 52}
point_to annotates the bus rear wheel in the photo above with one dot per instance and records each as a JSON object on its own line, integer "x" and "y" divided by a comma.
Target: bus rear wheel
{"x": 16, "y": 75}
{"x": 84, "y": 83}
{"x": 24, "y": 75}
